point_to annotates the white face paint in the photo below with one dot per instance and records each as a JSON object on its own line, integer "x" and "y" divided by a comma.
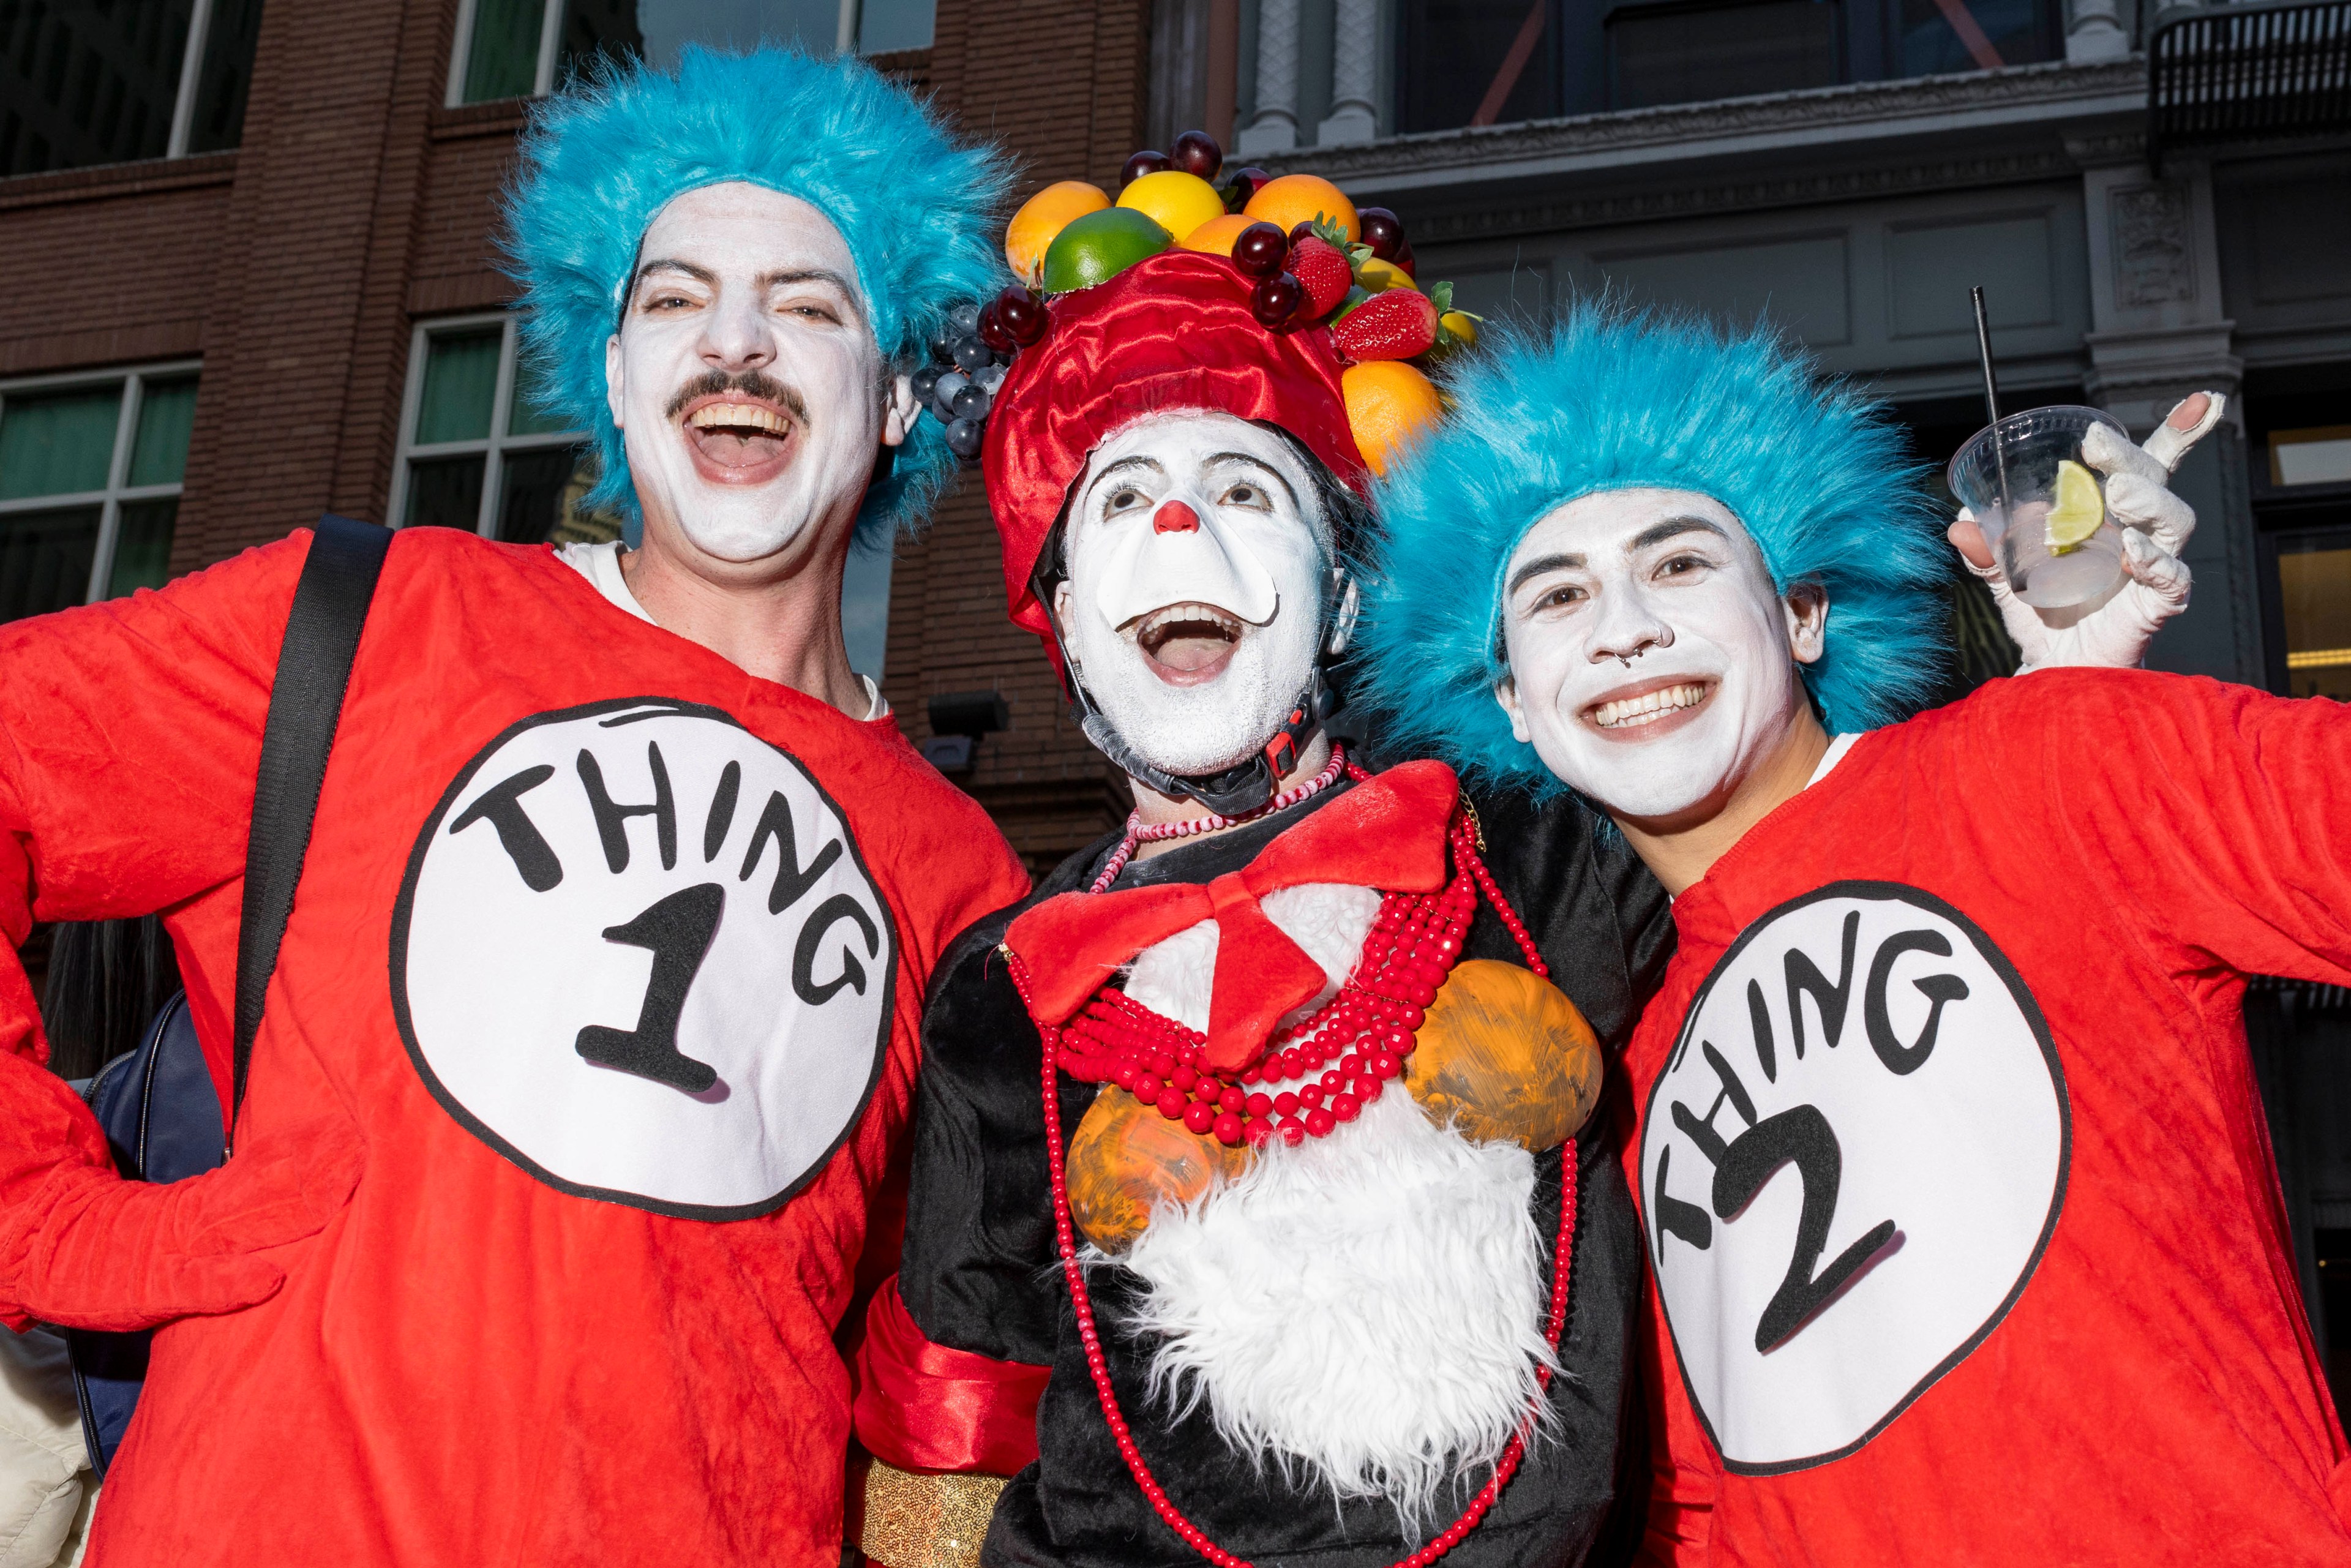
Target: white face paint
{"x": 1652, "y": 661}
{"x": 744, "y": 378}
{"x": 1197, "y": 567}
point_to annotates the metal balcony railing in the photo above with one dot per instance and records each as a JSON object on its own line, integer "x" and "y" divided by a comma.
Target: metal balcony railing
{"x": 2246, "y": 73}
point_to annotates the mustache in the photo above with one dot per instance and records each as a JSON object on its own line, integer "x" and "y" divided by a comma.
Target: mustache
{"x": 756, "y": 384}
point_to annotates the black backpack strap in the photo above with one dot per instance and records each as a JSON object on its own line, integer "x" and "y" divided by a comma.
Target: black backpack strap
{"x": 306, "y": 700}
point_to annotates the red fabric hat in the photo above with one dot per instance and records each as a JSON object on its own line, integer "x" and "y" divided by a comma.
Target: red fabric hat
{"x": 1173, "y": 332}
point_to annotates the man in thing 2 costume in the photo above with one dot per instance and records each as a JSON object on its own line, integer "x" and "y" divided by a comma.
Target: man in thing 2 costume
{"x": 1965, "y": 1237}
{"x": 595, "y": 1018}
{"x": 1257, "y": 1210}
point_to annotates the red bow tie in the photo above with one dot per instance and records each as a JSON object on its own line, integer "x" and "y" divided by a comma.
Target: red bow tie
{"x": 1387, "y": 832}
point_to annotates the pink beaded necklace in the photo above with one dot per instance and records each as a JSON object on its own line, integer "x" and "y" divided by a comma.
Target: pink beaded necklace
{"x": 1423, "y": 970}
{"x": 1138, "y": 833}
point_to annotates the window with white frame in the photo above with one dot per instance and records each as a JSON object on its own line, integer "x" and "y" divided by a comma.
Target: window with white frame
{"x": 475, "y": 452}
{"x": 518, "y": 48}
{"x": 89, "y": 483}
{"x": 98, "y": 83}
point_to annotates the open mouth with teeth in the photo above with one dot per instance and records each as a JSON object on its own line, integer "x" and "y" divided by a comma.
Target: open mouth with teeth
{"x": 737, "y": 440}
{"x": 1188, "y": 644}
{"x": 1641, "y": 713}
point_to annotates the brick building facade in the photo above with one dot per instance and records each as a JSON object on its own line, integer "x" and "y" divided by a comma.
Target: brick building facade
{"x": 293, "y": 272}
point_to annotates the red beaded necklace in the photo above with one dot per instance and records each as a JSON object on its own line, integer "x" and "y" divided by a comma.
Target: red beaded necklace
{"x": 1116, "y": 1033}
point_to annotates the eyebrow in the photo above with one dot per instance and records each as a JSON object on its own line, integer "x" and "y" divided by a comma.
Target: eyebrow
{"x": 1656, "y": 533}
{"x": 1537, "y": 566}
{"x": 1138, "y": 461}
{"x": 1260, "y": 464}
{"x": 810, "y": 275}
{"x": 766, "y": 280}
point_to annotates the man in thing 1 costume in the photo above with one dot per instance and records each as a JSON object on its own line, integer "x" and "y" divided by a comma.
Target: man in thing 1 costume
{"x": 1964, "y": 1234}
{"x": 595, "y": 1018}
{"x": 1257, "y": 1207}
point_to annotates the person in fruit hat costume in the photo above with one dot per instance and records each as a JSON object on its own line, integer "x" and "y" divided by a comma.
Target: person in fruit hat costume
{"x": 593, "y": 1029}
{"x": 1965, "y": 1238}
{"x": 1257, "y": 1210}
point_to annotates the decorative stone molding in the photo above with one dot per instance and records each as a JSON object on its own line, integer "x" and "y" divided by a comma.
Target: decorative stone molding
{"x": 1813, "y": 115}
{"x": 1354, "y": 75}
{"x": 1742, "y": 195}
{"x": 1275, "y": 126}
{"x": 2153, "y": 247}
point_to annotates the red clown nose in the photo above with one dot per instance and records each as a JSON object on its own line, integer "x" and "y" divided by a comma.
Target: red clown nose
{"x": 1175, "y": 517}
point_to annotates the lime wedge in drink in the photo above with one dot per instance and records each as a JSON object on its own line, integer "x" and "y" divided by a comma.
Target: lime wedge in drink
{"x": 2079, "y": 508}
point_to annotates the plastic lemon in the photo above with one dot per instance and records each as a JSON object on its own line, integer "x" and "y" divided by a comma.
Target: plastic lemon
{"x": 1177, "y": 202}
{"x": 1099, "y": 246}
{"x": 1042, "y": 217}
{"x": 1295, "y": 199}
{"x": 2079, "y": 510}
{"x": 1462, "y": 326}
{"x": 1378, "y": 276}
{"x": 1388, "y": 404}
{"x": 1217, "y": 235}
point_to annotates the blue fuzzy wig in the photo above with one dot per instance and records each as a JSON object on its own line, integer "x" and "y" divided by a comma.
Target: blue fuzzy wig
{"x": 1609, "y": 399}
{"x": 601, "y": 158}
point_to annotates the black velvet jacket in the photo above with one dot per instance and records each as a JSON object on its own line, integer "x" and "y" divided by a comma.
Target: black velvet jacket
{"x": 980, "y": 1271}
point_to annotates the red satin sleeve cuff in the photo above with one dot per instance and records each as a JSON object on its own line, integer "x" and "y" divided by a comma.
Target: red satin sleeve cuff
{"x": 922, "y": 1406}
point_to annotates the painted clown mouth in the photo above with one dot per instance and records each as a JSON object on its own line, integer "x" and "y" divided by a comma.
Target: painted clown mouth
{"x": 1188, "y": 644}
{"x": 737, "y": 440}
{"x": 1641, "y": 710}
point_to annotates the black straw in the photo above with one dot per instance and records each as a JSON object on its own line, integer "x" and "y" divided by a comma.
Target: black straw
{"x": 1992, "y": 398}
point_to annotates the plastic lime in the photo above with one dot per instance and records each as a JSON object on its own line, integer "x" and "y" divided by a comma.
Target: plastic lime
{"x": 1100, "y": 246}
{"x": 2079, "y": 510}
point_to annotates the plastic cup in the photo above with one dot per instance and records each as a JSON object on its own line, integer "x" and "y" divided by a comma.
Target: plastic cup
{"x": 2007, "y": 476}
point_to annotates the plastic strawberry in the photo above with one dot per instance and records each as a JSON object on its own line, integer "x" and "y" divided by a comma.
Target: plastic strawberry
{"x": 1394, "y": 325}
{"x": 1323, "y": 268}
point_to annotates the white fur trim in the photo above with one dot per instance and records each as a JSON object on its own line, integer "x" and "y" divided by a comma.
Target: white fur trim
{"x": 1328, "y": 919}
{"x": 1364, "y": 1308}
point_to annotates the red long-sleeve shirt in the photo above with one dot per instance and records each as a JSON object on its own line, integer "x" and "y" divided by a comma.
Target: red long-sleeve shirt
{"x": 609, "y": 958}
{"x": 1966, "y": 1238}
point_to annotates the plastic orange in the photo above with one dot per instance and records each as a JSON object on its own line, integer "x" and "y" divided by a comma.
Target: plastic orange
{"x": 1296, "y": 199}
{"x": 1389, "y": 403}
{"x": 1217, "y": 235}
{"x": 1040, "y": 218}
{"x": 1126, "y": 1158}
{"x": 1504, "y": 1055}
{"x": 1177, "y": 202}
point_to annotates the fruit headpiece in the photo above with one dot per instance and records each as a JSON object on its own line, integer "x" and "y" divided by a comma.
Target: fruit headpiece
{"x": 602, "y": 158}
{"x": 1609, "y": 399}
{"x": 1274, "y": 299}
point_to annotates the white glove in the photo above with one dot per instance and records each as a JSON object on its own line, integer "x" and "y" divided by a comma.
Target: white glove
{"x": 2155, "y": 525}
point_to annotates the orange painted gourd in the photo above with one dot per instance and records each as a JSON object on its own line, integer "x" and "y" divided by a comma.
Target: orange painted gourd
{"x": 1127, "y": 1156}
{"x": 1504, "y": 1054}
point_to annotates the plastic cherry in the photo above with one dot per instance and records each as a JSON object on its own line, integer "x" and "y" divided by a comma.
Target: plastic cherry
{"x": 993, "y": 333}
{"x": 1141, "y": 164}
{"x": 1260, "y": 249}
{"x": 1196, "y": 152}
{"x": 1021, "y": 314}
{"x": 1383, "y": 231}
{"x": 1248, "y": 181}
{"x": 1277, "y": 299}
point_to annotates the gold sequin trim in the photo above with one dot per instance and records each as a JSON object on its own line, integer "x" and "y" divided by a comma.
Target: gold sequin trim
{"x": 903, "y": 1521}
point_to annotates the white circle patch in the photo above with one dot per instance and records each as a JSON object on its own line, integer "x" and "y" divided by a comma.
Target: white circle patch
{"x": 1849, "y": 1168}
{"x": 638, "y": 953}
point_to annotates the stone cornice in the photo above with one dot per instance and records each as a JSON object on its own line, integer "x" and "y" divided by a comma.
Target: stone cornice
{"x": 1922, "y": 106}
{"x": 1654, "y": 202}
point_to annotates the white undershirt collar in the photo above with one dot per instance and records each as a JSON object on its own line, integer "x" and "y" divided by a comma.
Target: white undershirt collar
{"x": 601, "y": 565}
{"x": 1832, "y": 756}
